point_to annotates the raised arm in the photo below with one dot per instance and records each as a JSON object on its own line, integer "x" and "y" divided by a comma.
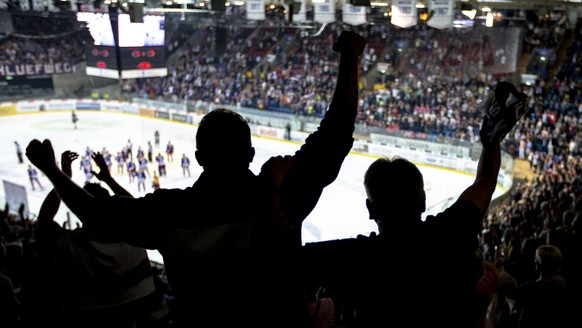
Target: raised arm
{"x": 42, "y": 155}
{"x": 125, "y": 213}
{"x": 481, "y": 191}
{"x": 270, "y": 225}
{"x": 105, "y": 176}
{"x": 350, "y": 46}
{"x": 49, "y": 208}
{"x": 338, "y": 121}
{"x": 319, "y": 160}
{"x": 499, "y": 119}
{"x": 52, "y": 202}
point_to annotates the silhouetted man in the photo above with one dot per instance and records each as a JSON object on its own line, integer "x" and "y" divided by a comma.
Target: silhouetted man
{"x": 415, "y": 273}
{"x": 220, "y": 275}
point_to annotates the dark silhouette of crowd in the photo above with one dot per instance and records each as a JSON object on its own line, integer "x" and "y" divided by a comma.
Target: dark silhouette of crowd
{"x": 236, "y": 254}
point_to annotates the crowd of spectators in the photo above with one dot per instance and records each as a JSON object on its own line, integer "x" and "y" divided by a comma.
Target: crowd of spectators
{"x": 272, "y": 68}
{"x": 196, "y": 74}
{"x": 546, "y": 209}
{"x": 436, "y": 89}
{"x": 42, "y": 25}
{"x": 182, "y": 30}
{"x": 42, "y": 40}
{"x": 544, "y": 30}
{"x": 65, "y": 49}
{"x": 298, "y": 80}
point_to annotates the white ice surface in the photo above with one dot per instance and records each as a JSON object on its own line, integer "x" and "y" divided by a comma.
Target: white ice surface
{"x": 340, "y": 213}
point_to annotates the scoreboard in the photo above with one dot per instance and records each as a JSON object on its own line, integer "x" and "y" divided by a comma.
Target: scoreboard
{"x": 141, "y": 46}
{"x": 101, "y": 61}
{"x": 143, "y": 62}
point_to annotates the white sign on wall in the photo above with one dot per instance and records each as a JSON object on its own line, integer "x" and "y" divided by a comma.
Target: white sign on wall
{"x": 15, "y": 196}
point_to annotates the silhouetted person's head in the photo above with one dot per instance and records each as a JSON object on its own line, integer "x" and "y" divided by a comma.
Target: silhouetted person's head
{"x": 395, "y": 190}
{"x": 548, "y": 260}
{"x": 223, "y": 141}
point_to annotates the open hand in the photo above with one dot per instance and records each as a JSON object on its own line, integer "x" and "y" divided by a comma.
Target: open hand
{"x": 103, "y": 169}
{"x": 67, "y": 157}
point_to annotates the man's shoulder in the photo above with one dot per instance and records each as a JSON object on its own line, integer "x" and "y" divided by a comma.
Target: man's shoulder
{"x": 461, "y": 209}
{"x": 176, "y": 192}
{"x": 354, "y": 244}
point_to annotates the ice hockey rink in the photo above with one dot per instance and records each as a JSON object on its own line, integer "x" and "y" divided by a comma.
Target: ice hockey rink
{"x": 340, "y": 213}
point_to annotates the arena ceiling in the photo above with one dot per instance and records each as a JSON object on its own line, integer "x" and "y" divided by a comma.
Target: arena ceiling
{"x": 515, "y": 4}
{"x": 495, "y": 4}
{"x": 525, "y": 4}
{"x": 538, "y": 5}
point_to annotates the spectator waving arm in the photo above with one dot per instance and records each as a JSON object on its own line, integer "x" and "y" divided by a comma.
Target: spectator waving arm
{"x": 52, "y": 202}
{"x": 105, "y": 176}
{"x": 42, "y": 155}
{"x": 497, "y": 122}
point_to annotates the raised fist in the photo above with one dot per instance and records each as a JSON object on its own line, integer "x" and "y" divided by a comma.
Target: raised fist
{"x": 503, "y": 108}
{"x": 350, "y": 41}
{"x": 41, "y": 154}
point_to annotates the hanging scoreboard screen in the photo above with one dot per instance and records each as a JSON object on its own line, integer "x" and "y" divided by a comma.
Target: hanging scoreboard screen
{"x": 141, "y": 45}
{"x": 149, "y": 33}
{"x": 143, "y": 62}
{"x": 101, "y": 61}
